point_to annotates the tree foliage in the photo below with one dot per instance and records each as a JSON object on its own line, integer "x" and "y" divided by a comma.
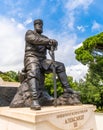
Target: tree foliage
{"x": 50, "y": 85}
{"x": 90, "y": 49}
{"x": 91, "y": 54}
{"x": 10, "y": 76}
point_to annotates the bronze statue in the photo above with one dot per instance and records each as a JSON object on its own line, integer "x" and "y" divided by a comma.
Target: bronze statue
{"x": 36, "y": 65}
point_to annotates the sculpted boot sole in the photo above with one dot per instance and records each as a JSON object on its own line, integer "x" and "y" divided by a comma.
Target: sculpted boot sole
{"x": 35, "y": 105}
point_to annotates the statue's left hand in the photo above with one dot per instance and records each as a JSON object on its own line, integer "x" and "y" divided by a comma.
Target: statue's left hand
{"x": 53, "y": 42}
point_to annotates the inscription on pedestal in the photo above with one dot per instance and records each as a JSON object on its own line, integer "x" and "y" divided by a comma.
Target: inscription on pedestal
{"x": 73, "y": 119}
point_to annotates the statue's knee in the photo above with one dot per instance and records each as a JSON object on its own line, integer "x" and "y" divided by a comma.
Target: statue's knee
{"x": 33, "y": 74}
{"x": 60, "y": 68}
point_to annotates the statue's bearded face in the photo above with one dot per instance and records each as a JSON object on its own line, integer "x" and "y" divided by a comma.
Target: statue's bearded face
{"x": 39, "y": 27}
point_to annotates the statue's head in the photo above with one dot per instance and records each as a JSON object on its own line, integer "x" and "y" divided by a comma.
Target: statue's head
{"x": 38, "y": 25}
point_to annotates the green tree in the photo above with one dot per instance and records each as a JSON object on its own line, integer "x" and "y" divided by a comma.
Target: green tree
{"x": 10, "y": 76}
{"x": 91, "y": 54}
{"x": 13, "y": 75}
{"x": 50, "y": 85}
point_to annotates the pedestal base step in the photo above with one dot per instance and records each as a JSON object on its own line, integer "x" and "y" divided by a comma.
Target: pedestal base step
{"x": 80, "y": 117}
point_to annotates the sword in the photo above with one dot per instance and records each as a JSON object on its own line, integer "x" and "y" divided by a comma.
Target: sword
{"x": 51, "y": 53}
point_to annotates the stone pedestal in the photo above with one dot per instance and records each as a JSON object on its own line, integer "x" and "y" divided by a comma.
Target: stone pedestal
{"x": 79, "y": 117}
{"x": 7, "y": 95}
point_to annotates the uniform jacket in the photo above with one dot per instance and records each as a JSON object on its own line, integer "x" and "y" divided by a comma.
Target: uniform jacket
{"x": 36, "y": 45}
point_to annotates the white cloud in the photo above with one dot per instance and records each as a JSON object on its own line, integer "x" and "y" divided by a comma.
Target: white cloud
{"x": 65, "y": 51}
{"x": 11, "y": 44}
{"x": 20, "y": 26}
{"x": 71, "y": 21}
{"x": 72, "y": 7}
{"x": 96, "y": 26}
{"x": 29, "y": 20}
{"x": 74, "y": 4}
{"x": 77, "y": 71}
{"x": 81, "y": 28}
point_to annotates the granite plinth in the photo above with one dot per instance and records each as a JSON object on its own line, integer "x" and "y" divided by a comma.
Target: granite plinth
{"x": 6, "y": 95}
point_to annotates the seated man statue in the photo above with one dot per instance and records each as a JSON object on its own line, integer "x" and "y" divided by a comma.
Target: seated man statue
{"x": 36, "y": 64}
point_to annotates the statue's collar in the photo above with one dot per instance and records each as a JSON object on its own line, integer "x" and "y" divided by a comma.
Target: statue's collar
{"x": 37, "y": 33}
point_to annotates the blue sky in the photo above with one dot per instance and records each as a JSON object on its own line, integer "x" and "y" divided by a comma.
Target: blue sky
{"x": 68, "y": 21}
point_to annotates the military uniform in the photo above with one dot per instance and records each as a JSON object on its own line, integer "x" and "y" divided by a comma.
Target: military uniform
{"x": 36, "y": 64}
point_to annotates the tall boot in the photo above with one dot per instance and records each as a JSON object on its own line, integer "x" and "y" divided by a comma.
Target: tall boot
{"x": 33, "y": 83}
{"x": 43, "y": 90}
{"x": 64, "y": 81}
